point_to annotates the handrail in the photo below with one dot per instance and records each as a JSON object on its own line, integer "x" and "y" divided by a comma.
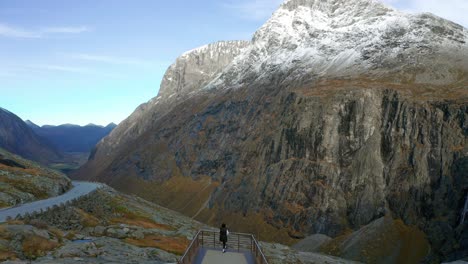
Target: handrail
{"x": 465, "y": 211}
{"x": 208, "y": 238}
{"x": 191, "y": 246}
{"x": 262, "y": 257}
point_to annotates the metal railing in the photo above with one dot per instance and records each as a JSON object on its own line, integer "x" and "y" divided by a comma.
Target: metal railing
{"x": 236, "y": 241}
{"x": 464, "y": 211}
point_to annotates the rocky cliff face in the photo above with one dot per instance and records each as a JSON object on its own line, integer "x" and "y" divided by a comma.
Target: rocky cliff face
{"x": 338, "y": 113}
{"x": 191, "y": 71}
{"x": 17, "y": 137}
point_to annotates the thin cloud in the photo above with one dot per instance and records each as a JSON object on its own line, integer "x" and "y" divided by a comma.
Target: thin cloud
{"x": 14, "y": 32}
{"x": 60, "y": 68}
{"x": 109, "y": 59}
{"x": 17, "y": 32}
{"x": 258, "y": 10}
{"x": 65, "y": 30}
{"x": 9, "y": 71}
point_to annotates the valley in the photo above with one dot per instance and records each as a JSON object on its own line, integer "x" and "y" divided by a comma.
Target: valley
{"x": 337, "y": 134}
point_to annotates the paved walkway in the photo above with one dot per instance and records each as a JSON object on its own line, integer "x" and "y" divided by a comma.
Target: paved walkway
{"x": 79, "y": 189}
{"x": 216, "y": 256}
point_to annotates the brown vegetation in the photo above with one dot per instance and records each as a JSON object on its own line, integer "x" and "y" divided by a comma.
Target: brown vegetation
{"x": 26, "y": 186}
{"x": 7, "y": 255}
{"x": 253, "y": 223}
{"x": 133, "y": 218}
{"x": 393, "y": 239}
{"x": 176, "y": 245}
{"x": 36, "y": 246}
{"x": 179, "y": 193}
{"x": 141, "y": 222}
{"x": 87, "y": 220}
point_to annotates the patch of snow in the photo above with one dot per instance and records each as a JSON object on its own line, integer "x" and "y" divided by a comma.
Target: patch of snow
{"x": 342, "y": 38}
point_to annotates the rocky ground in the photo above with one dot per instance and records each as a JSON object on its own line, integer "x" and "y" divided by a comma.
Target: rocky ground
{"x": 281, "y": 254}
{"x": 102, "y": 227}
{"x": 108, "y": 227}
{"x": 23, "y": 181}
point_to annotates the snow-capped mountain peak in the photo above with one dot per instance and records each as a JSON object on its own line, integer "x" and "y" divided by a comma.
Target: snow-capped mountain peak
{"x": 309, "y": 39}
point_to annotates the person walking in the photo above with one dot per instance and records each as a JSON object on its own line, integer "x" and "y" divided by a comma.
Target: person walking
{"x": 223, "y": 236}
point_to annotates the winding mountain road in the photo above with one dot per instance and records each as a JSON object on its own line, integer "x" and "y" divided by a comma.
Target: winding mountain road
{"x": 79, "y": 189}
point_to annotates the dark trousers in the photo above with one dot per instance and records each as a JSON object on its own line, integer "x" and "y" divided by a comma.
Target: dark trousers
{"x": 224, "y": 244}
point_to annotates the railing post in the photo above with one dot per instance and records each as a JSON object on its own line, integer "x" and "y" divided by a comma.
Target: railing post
{"x": 238, "y": 243}
{"x": 214, "y": 239}
{"x": 251, "y": 243}
{"x": 202, "y": 243}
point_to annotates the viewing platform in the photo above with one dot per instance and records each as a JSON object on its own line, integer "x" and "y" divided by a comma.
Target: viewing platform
{"x": 206, "y": 248}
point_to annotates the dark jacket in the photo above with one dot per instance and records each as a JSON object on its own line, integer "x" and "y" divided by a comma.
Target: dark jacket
{"x": 223, "y": 234}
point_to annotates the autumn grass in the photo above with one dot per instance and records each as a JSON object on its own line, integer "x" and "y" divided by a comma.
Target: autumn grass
{"x": 134, "y": 218}
{"x": 15, "y": 222}
{"x": 56, "y": 233}
{"x": 70, "y": 235}
{"x": 26, "y": 186}
{"x": 4, "y": 233}
{"x": 417, "y": 92}
{"x": 7, "y": 255}
{"x": 35, "y": 246}
{"x": 333, "y": 247}
{"x": 29, "y": 171}
{"x": 176, "y": 245}
{"x": 87, "y": 220}
{"x": 253, "y": 223}
{"x": 142, "y": 222}
{"x": 182, "y": 194}
{"x": 4, "y": 204}
{"x": 407, "y": 244}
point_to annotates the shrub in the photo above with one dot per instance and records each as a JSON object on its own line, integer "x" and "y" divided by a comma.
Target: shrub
{"x": 35, "y": 246}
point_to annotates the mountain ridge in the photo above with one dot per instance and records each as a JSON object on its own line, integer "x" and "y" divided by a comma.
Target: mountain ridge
{"x": 73, "y": 138}
{"x": 270, "y": 141}
{"x": 18, "y": 138}
{"x": 362, "y": 38}
{"x": 166, "y": 100}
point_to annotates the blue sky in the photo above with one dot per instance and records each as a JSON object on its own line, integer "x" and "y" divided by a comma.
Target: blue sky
{"x": 91, "y": 61}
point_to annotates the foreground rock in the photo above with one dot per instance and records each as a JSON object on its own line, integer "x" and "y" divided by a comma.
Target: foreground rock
{"x": 107, "y": 227}
{"x": 281, "y": 254}
{"x": 312, "y": 243}
{"x": 382, "y": 241}
{"x": 100, "y": 228}
{"x": 23, "y": 181}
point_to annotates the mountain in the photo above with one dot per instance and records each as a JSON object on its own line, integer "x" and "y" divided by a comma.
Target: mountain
{"x": 17, "y": 137}
{"x": 31, "y": 124}
{"x": 336, "y": 114}
{"x": 73, "y": 138}
{"x": 306, "y": 40}
{"x": 191, "y": 71}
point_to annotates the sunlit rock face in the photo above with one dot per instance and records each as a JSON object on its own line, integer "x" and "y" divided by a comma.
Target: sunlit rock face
{"x": 336, "y": 114}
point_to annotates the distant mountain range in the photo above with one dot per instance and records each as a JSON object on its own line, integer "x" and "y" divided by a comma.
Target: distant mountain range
{"x": 17, "y": 137}
{"x": 72, "y": 138}
{"x": 48, "y": 144}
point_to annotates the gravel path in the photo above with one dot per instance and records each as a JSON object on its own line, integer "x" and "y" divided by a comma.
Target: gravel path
{"x": 79, "y": 189}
